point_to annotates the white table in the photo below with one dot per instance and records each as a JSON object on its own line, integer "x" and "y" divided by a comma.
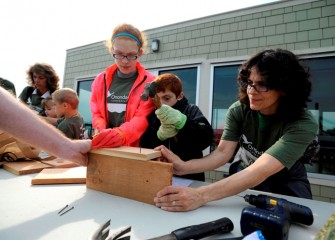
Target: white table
{"x": 31, "y": 212}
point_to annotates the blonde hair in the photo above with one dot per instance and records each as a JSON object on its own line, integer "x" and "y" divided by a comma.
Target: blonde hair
{"x": 66, "y": 95}
{"x": 128, "y": 29}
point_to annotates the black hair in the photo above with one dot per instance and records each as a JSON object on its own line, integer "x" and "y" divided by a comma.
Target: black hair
{"x": 282, "y": 71}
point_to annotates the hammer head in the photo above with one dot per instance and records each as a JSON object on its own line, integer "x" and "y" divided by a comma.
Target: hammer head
{"x": 149, "y": 91}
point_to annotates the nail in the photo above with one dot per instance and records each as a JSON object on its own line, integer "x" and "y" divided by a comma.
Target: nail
{"x": 63, "y": 209}
{"x": 67, "y": 211}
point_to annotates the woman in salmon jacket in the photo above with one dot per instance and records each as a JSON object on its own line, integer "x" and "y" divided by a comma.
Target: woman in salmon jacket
{"x": 119, "y": 116}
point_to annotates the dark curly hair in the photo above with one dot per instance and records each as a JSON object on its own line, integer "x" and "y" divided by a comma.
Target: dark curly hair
{"x": 47, "y": 71}
{"x": 281, "y": 70}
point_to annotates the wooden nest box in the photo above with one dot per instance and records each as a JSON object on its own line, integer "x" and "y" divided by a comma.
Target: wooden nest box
{"x": 128, "y": 172}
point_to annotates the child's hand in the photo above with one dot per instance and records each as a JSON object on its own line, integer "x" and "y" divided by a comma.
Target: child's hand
{"x": 169, "y": 116}
{"x": 166, "y": 131}
{"x": 108, "y": 138}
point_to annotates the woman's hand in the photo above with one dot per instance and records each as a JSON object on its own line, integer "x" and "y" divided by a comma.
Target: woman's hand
{"x": 179, "y": 166}
{"x": 179, "y": 199}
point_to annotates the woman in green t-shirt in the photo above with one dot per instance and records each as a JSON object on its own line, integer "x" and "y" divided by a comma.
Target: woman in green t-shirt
{"x": 269, "y": 126}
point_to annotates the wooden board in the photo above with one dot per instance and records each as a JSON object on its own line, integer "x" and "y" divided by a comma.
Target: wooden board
{"x": 60, "y": 176}
{"x": 28, "y": 167}
{"x": 60, "y": 163}
{"x": 24, "y": 167}
{"x": 129, "y": 152}
{"x": 127, "y": 177}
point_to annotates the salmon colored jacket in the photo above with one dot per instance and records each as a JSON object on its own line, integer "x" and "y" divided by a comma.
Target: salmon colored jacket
{"x": 137, "y": 110}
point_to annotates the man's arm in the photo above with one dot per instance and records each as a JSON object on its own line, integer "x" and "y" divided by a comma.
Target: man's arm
{"x": 52, "y": 121}
{"x": 19, "y": 121}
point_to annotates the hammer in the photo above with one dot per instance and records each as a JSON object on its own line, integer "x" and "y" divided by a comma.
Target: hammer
{"x": 150, "y": 91}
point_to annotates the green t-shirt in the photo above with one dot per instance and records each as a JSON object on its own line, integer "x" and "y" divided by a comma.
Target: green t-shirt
{"x": 286, "y": 142}
{"x": 72, "y": 127}
{"x": 117, "y": 99}
{"x": 258, "y": 134}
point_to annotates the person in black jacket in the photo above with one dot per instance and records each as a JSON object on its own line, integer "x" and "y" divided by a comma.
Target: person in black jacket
{"x": 178, "y": 125}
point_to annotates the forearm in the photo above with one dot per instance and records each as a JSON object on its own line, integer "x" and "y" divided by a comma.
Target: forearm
{"x": 227, "y": 187}
{"x": 50, "y": 120}
{"x": 21, "y": 123}
{"x": 217, "y": 158}
{"x": 207, "y": 163}
{"x": 250, "y": 177}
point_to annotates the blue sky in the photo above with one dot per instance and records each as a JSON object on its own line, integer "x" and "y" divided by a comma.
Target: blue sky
{"x": 41, "y": 30}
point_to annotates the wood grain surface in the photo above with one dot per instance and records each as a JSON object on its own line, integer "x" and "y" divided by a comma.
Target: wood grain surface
{"x": 127, "y": 174}
{"x": 60, "y": 176}
{"x": 32, "y": 166}
{"x": 129, "y": 152}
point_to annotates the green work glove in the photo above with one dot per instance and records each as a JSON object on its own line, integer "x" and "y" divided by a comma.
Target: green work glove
{"x": 166, "y": 131}
{"x": 169, "y": 116}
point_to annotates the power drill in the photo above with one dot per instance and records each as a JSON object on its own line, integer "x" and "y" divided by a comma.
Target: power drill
{"x": 273, "y": 216}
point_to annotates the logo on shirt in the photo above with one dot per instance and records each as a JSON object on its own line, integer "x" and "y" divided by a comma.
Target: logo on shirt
{"x": 116, "y": 99}
{"x": 247, "y": 152}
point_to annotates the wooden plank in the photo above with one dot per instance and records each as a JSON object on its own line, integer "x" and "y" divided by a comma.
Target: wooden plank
{"x": 131, "y": 178}
{"x": 24, "y": 167}
{"x": 60, "y": 176}
{"x": 28, "y": 167}
{"x": 60, "y": 163}
{"x": 129, "y": 152}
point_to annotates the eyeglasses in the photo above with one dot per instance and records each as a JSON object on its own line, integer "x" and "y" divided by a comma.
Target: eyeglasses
{"x": 262, "y": 87}
{"x": 128, "y": 57}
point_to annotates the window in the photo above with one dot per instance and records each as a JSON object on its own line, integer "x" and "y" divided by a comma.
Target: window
{"x": 188, "y": 77}
{"x": 224, "y": 94}
{"x": 84, "y": 94}
{"x": 322, "y": 72}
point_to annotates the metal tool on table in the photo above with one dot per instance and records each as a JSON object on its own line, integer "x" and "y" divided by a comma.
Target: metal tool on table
{"x": 220, "y": 226}
{"x": 102, "y": 233}
{"x": 273, "y": 216}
